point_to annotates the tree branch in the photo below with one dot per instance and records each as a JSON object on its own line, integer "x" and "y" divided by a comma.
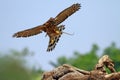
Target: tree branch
{"x": 68, "y": 72}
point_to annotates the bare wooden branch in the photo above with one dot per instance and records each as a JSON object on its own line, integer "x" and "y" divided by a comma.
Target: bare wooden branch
{"x": 68, "y": 72}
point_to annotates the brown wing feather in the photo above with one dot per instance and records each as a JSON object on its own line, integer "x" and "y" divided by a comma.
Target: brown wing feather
{"x": 29, "y": 32}
{"x": 66, "y": 13}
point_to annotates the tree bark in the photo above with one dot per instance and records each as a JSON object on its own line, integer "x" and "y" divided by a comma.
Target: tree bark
{"x": 68, "y": 72}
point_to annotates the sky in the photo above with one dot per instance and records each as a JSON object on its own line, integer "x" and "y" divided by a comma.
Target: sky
{"x": 97, "y": 22}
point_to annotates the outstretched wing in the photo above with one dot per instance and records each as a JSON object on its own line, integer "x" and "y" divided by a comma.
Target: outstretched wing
{"x": 66, "y": 13}
{"x": 29, "y": 32}
{"x": 54, "y": 39}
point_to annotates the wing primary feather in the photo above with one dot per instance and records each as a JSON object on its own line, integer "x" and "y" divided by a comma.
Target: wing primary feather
{"x": 29, "y": 32}
{"x": 66, "y": 13}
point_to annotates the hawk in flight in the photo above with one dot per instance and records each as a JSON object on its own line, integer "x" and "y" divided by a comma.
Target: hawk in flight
{"x": 51, "y": 27}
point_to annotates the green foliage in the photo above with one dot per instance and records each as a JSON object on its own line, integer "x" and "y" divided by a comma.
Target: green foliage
{"x": 114, "y": 54}
{"x": 84, "y": 61}
{"x": 88, "y": 60}
{"x": 12, "y": 69}
{"x": 13, "y": 66}
{"x": 60, "y": 61}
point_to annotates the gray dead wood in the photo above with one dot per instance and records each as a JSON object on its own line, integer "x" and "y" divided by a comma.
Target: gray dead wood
{"x": 68, "y": 72}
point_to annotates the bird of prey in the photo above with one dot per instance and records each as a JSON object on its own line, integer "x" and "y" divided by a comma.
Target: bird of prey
{"x": 51, "y": 27}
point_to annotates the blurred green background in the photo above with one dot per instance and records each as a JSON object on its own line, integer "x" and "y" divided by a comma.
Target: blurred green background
{"x": 14, "y": 64}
